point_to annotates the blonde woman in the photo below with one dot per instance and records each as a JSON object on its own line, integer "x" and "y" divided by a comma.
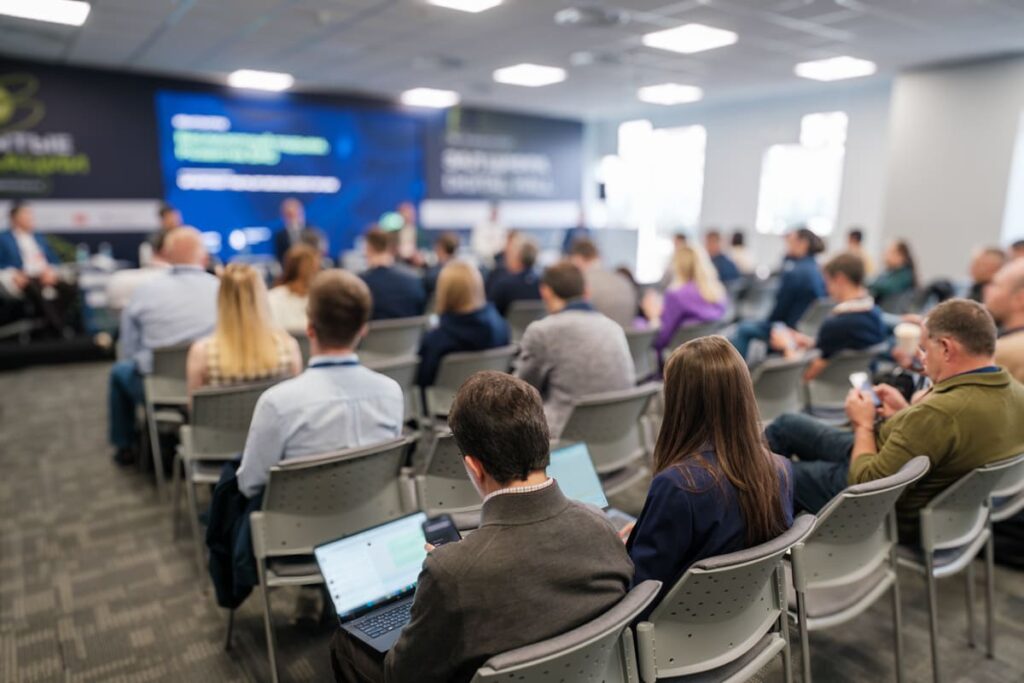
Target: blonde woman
{"x": 244, "y": 346}
{"x": 695, "y": 296}
{"x": 467, "y": 321}
{"x": 288, "y": 299}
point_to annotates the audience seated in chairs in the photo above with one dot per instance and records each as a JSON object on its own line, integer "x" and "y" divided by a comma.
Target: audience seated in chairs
{"x": 725, "y": 267}
{"x": 855, "y": 322}
{"x": 467, "y": 322}
{"x": 288, "y": 299}
{"x": 610, "y": 293}
{"x": 397, "y": 292}
{"x": 969, "y": 418}
{"x": 516, "y": 280}
{"x": 717, "y": 489}
{"x": 178, "y": 306}
{"x": 1004, "y": 299}
{"x": 29, "y": 275}
{"x": 445, "y": 246}
{"x": 539, "y": 566}
{"x": 800, "y": 286}
{"x": 245, "y": 346}
{"x": 984, "y": 266}
{"x": 740, "y": 254}
{"x": 695, "y": 296}
{"x": 336, "y": 403}
{"x": 575, "y": 351}
{"x": 899, "y": 275}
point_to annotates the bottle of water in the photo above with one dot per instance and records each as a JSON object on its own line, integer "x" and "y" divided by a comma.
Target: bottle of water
{"x": 82, "y": 253}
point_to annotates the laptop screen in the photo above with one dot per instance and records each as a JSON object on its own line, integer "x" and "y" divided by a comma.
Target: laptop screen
{"x": 373, "y": 566}
{"x": 573, "y": 469}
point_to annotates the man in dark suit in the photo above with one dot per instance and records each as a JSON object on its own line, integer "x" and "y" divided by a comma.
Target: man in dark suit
{"x": 296, "y": 231}
{"x": 540, "y": 565}
{"x": 397, "y": 292}
{"x": 517, "y": 280}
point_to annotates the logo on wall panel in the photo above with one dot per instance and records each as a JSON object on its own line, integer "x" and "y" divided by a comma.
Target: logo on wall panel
{"x": 18, "y": 109}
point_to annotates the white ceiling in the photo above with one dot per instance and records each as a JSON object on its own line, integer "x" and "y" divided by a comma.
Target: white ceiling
{"x": 382, "y": 47}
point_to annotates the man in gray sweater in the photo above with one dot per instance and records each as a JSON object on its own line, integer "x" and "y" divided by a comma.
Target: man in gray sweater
{"x": 540, "y": 565}
{"x": 574, "y": 352}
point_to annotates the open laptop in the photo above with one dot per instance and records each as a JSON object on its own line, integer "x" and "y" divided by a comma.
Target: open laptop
{"x": 371, "y": 577}
{"x": 574, "y": 471}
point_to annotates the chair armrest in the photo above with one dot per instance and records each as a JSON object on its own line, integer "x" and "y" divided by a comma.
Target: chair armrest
{"x": 258, "y": 532}
{"x": 185, "y": 442}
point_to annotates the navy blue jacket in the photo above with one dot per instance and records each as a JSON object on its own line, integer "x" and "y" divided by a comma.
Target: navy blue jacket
{"x": 801, "y": 285}
{"x": 682, "y": 523}
{"x": 727, "y": 270}
{"x": 479, "y": 330}
{"x": 10, "y": 255}
{"x": 851, "y": 330}
{"x": 229, "y": 537}
{"x": 396, "y": 293}
{"x": 506, "y": 287}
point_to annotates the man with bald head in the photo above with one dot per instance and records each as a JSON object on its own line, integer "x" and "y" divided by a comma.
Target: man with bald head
{"x": 1004, "y": 299}
{"x": 173, "y": 308}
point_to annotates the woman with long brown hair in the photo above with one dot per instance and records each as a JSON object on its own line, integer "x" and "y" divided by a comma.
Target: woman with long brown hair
{"x": 717, "y": 488}
{"x": 288, "y": 299}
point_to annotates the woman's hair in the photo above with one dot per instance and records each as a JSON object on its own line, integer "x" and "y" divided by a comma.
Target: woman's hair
{"x": 815, "y": 245}
{"x": 460, "y": 288}
{"x": 709, "y": 404}
{"x": 301, "y": 264}
{"x": 902, "y": 248}
{"x": 691, "y": 264}
{"x": 246, "y": 340}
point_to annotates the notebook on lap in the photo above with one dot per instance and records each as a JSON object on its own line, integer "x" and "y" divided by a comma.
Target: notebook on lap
{"x": 574, "y": 471}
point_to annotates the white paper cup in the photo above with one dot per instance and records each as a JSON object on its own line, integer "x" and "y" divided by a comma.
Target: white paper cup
{"x": 908, "y": 337}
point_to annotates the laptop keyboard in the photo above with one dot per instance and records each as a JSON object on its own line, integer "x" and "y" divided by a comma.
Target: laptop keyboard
{"x": 378, "y": 624}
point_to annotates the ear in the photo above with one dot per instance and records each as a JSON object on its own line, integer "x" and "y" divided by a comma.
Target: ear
{"x": 474, "y": 466}
{"x": 310, "y": 332}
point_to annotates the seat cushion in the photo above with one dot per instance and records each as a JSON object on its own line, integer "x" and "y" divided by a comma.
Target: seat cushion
{"x": 824, "y": 602}
{"x": 914, "y": 556}
{"x": 300, "y": 565}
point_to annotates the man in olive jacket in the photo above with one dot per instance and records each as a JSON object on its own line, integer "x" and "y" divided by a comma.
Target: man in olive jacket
{"x": 539, "y": 565}
{"x": 972, "y": 415}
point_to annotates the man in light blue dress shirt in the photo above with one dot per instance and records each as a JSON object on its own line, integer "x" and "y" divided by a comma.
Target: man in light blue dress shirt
{"x": 336, "y": 403}
{"x": 173, "y": 308}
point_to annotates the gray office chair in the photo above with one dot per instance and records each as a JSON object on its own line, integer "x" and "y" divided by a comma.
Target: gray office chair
{"x": 1008, "y": 498}
{"x": 600, "y": 651}
{"x": 392, "y": 338}
{"x": 443, "y": 487}
{"x": 456, "y": 368}
{"x": 521, "y": 313}
{"x": 848, "y": 561}
{"x": 402, "y": 369}
{"x": 640, "y": 348}
{"x": 955, "y": 527}
{"x": 778, "y": 385}
{"x": 303, "y": 341}
{"x": 827, "y": 392}
{"x": 690, "y": 332}
{"x": 725, "y": 619}
{"x": 166, "y": 397}
{"x": 810, "y": 322}
{"x": 609, "y": 423}
{"x": 758, "y": 299}
{"x": 219, "y": 426}
{"x": 308, "y": 501}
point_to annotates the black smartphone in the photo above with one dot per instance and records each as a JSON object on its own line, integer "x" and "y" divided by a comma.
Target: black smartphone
{"x": 440, "y": 530}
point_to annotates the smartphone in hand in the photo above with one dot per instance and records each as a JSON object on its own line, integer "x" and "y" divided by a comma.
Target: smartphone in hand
{"x": 440, "y": 530}
{"x": 861, "y": 381}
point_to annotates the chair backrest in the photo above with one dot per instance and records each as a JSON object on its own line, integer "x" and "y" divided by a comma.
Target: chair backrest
{"x": 900, "y": 303}
{"x": 308, "y": 501}
{"x": 392, "y": 338}
{"x": 832, "y": 385}
{"x": 855, "y": 531}
{"x": 640, "y": 341}
{"x": 521, "y": 313}
{"x": 221, "y": 417}
{"x": 609, "y": 423}
{"x": 1008, "y": 498}
{"x": 600, "y": 651}
{"x": 167, "y": 379}
{"x": 443, "y": 485}
{"x": 778, "y": 385}
{"x": 456, "y": 368}
{"x": 402, "y": 369}
{"x": 303, "y": 341}
{"x": 720, "y": 608}
{"x": 689, "y": 332}
{"x": 758, "y": 299}
{"x": 959, "y": 514}
{"x": 810, "y": 322}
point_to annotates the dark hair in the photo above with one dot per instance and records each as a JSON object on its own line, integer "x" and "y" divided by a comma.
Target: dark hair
{"x": 1019, "y": 244}
{"x": 565, "y": 280}
{"x": 448, "y": 242}
{"x": 377, "y": 240}
{"x": 709, "y": 401}
{"x": 584, "y": 248}
{"x": 903, "y": 248}
{"x": 738, "y": 238}
{"x": 965, "y": 321}
{"x": 815, "y": 245}
{"x": 528, "y": 253}
{"x": 499, "y": 420}
{"x": 849, "y": 265}
{"x": 165, "y": 209}
{"x": 856, "y": 234}
{"x": 301, "y": 264}
{"x": 339, "y": 305}
{"x": 16, "y": 206}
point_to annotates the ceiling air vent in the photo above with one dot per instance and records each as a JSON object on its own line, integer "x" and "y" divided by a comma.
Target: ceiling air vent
{"x": 591, "y": 16}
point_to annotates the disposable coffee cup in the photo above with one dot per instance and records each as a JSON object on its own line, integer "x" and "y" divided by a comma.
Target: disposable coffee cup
{"x": 908, "y": 337}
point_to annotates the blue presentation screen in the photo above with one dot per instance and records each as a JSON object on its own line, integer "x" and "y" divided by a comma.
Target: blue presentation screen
{"x": 228, "y": 163}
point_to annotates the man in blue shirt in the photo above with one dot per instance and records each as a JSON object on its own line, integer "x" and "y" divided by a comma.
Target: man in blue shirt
{"x": 727, "y": 270}
{"x": 336, "y": 403}
{"x": 518, "y": 281}
{"x": 397, "y": 293}
{"x": 800, "y": 286}
{"x": 173, "y": 308}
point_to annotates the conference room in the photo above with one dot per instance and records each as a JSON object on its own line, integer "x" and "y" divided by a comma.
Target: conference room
{"x": 462, "y": 341}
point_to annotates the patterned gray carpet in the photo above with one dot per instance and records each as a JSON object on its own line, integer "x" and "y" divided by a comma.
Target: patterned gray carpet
{"x": 93, "y": 588}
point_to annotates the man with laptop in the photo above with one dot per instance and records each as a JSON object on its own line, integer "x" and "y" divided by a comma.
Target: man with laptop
{"x": 539, "y": 565}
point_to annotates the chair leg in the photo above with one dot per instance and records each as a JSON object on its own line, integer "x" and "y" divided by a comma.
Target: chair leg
{"x": 805, "y": 639}
{"x": 154, "y": 447}
{"x": 990, "y": 597}
{"x": 897, "y": 626}
{"x": 193, "y": 520}
{"x": 231, "y": 630}
{"x": 176, "y": 496}
{"x": 933, "y": 618}
{"x": 267, "y": 621}
{"x": 969, "y": 579}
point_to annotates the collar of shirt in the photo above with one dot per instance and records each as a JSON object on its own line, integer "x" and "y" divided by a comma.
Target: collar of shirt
{"x": 325, "y": 361}
{"x": 861, "y": 305}
{"x": 519, "y": 489}
{"x": 178, "y": 269}
{"x": 577, "y": 305}
{"x": 1012, "y": 330}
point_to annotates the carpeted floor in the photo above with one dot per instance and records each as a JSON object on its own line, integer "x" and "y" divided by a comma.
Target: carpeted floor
{"x": 94, "y": 588}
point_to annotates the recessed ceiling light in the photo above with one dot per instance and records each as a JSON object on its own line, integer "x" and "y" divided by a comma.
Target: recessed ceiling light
{"x": 260, "y": 80}
{"x": 670, "y": 93}
{"x": 690, "y": 38}
{"x": 430, "y": 97}
{"x": 530, "y": 75}
{"x": 69, "y": 12}
{"x": 473, "y": 6}
{"x": 835, "y": 69}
